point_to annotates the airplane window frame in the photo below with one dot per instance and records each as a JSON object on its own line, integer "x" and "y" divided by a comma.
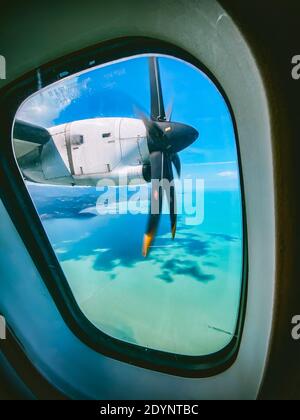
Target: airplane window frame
{"x": 21, "y": 209}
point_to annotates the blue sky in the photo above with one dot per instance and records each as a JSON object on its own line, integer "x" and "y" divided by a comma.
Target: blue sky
{"x": 118, "y": 89}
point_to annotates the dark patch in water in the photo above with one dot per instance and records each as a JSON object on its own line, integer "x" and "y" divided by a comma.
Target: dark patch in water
{"x": 224, "y": 237}
{"x": 209, "y": 264}
{"x": 184, "y": 267}
{"x": 115, "y": 246}
{"x": 166, "y": 276}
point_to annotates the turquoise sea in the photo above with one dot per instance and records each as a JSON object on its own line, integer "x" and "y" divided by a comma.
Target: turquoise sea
{"x": 183, "y": 298}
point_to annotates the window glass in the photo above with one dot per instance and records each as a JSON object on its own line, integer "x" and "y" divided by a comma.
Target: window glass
{"x": 91, "y": 148}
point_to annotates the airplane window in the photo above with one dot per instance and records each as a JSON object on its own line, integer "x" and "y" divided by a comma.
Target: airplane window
{"x": 147, "y": 223}
{"x": 105, "y": 135}
{"x": 77, "y": 140}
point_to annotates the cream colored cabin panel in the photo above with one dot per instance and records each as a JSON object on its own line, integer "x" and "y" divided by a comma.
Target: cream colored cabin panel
{"x": 133, "y": 141}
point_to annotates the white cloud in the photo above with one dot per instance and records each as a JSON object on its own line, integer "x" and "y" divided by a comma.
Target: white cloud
{"x": 228, "y": 174}
{"x": 45, "y": 106}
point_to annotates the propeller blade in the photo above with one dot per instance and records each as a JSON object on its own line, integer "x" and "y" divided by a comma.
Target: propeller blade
{"x": 157, "y": 103}
{"x": 169, "y": 112}
{"x": 140, "y": 112}
{"x": 157, "y": 171}
{"x": 170, "y": 193}
{"x": 176, "y": 162}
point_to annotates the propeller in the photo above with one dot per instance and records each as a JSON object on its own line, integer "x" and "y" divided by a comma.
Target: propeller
{"x": 165, "y": 140}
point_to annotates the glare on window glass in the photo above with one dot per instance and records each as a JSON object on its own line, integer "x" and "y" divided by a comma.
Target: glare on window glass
{"x": 133, "y": 169}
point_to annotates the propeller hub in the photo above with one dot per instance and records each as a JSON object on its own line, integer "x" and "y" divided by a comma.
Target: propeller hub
{"x": 171, "y": 137}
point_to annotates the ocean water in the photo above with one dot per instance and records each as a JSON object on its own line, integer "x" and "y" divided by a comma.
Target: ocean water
{"x": 183, "y": 298}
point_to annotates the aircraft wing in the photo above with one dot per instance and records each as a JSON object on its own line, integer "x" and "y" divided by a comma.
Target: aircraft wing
{"x": 28, "y": 136}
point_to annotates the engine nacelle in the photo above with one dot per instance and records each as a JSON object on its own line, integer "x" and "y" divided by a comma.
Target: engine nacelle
{"x": 133, "y": 175}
